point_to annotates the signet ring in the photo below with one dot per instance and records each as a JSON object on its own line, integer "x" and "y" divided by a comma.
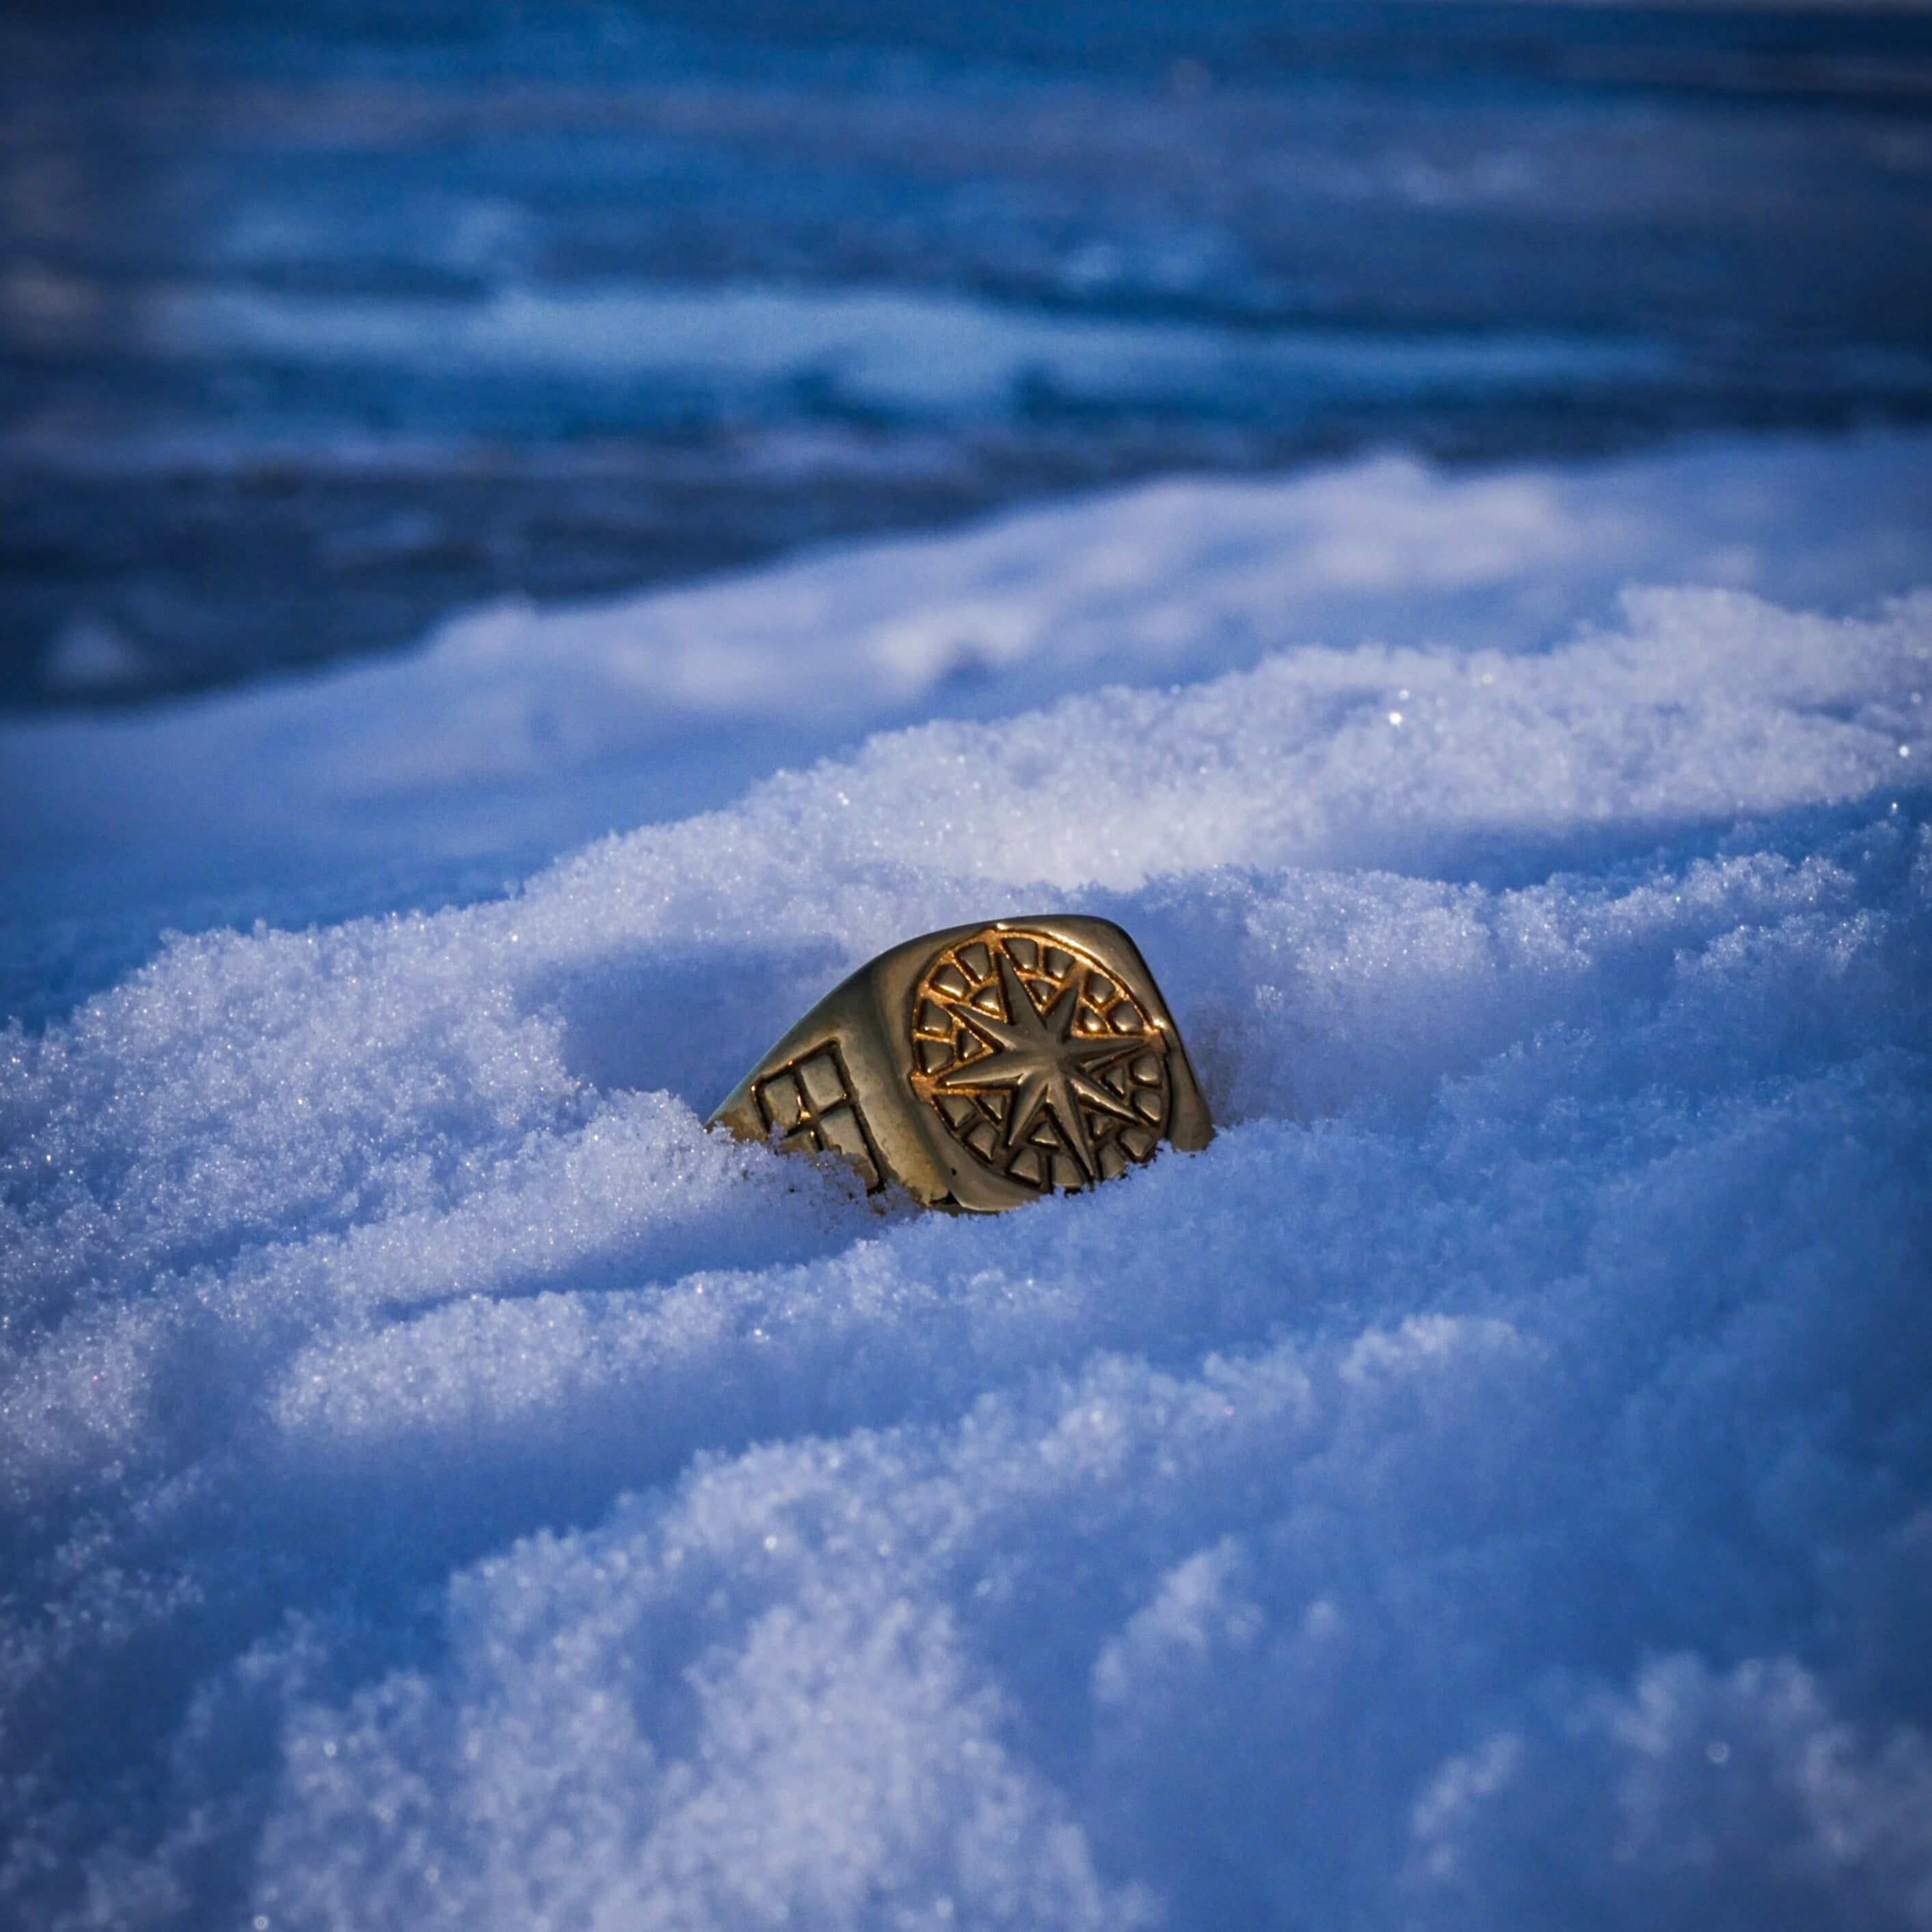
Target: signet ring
{"x": 982, "y": 1067}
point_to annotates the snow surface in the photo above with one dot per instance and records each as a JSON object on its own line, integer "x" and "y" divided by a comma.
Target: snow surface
{"x": 516, "y": 734}
{"x": 1491, "y": 1486}
{"x": 912, "y": 354}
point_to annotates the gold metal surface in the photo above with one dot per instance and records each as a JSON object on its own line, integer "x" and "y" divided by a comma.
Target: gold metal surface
{"x": 982, "y": 1066}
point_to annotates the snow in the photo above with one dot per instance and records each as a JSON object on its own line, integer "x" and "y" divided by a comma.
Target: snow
{"x": 916, "y": 356}
{"x": 515, "y": 735}
{"x": 1491, "y": 1486}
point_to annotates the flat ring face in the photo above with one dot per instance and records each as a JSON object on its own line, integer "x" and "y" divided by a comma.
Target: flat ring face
{"x": 1038, "y": 1061}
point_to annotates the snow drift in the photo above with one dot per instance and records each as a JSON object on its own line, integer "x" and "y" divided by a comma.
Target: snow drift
{"x": 1491, "y": 1486}
{"x": 514, "y": 734}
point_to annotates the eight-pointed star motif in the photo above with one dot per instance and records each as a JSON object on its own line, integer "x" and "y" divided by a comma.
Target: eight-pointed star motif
{"x": 1049, "y": 1067}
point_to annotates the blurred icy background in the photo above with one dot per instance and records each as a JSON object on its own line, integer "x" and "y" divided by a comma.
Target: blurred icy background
{"x": 1423, "y": 512}
{"x": 319, "y": 318}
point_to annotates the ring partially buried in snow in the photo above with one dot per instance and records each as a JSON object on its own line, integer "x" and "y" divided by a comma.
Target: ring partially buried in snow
{"x": 983, "y": 1066}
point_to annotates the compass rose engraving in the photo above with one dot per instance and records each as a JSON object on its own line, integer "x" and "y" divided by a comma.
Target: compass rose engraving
{"x": 1040, "y": 1063}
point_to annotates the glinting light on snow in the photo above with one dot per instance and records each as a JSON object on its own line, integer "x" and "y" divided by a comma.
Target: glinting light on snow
{"x": 983, "y": 1066}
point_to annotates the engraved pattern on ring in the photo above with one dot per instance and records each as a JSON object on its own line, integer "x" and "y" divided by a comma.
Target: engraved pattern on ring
{"x": 1041, "y": 1063}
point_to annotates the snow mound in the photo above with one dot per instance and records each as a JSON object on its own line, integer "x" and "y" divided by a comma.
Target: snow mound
{"x": 515, "y": 734}
{"x": 1491, "y": 1486}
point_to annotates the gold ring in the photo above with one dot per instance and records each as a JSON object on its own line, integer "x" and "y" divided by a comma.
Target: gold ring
{"x": 983, "y": 1066}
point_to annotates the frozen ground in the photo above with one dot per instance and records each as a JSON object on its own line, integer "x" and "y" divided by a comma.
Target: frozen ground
{"x": 1491, "y": 1486}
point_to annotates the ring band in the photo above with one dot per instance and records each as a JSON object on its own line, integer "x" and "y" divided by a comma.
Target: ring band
{"x": 983, "y": 1066}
